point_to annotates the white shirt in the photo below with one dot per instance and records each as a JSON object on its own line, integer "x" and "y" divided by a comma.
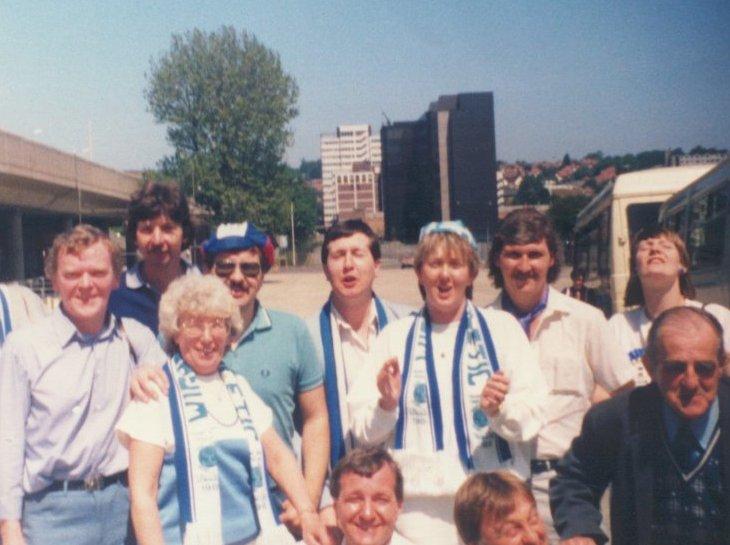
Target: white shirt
{"x": 151, "y": 422}
{"x": 576, "y": 351}
{"x": 428, "y": 520}
{"x": 631, "y": 328}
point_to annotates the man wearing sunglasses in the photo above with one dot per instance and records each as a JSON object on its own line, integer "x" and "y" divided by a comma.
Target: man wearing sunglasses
{"x": 275, "y": 354}
{"x": 664, "y": 448}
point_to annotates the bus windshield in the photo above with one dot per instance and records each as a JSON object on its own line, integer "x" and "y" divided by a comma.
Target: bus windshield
{"x": 642, "y": 215}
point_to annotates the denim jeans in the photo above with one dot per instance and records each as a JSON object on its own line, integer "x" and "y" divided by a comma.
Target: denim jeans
{"x": 78, "y": 517}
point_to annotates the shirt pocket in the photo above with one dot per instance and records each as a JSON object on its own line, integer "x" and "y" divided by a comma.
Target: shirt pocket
{"x": 568, "y": 375}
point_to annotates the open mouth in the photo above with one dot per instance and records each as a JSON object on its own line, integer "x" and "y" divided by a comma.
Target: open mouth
{"x": 349, "y": 281}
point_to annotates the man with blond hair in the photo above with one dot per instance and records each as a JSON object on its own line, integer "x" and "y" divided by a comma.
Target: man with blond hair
{"x": 64, "y": 383}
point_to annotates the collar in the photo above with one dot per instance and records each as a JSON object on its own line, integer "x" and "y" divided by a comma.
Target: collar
{"x": 343, "y": 324}
{"x": 702, "y": 427}
{"x": 261, "y": 322}
{"x": 67, "y": 332}
{"x": 134, "y": 278}
{"x": 525, "y": 318}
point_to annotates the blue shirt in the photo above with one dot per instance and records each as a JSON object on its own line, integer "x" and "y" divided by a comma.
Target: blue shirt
{"x": 61, "y": 394}
{"x": 276, "y": 355}
{"x": 136, "y": 298}
{"x": 702, "y": 427}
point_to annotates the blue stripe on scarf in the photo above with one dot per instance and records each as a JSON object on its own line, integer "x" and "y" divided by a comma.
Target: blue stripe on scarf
{"x": 459, "y": 417}
{"x": 401, "y": 423}
{"x": 433, "y": 389}
{"x": 332, "y": 394}
{"x": 6, "y": 325}
{"x": 337, "y": 441}
{"x": 181, "y": 464}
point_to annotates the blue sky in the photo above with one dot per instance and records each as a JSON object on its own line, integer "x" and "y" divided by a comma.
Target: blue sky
{"x": 567, "y": 76}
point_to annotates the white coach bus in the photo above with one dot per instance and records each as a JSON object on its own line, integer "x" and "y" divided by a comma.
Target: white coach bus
{"x": 604, "y": 228}
{"x": 700, "y": 213}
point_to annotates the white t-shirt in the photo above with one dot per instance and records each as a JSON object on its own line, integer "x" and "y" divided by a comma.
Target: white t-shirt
{"x": 631, "y": 328}
{"x": 428, "y": 520}
{"x": 152, "y": 422}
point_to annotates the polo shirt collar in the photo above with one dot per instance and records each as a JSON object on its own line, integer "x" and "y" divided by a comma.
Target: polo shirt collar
{"x": 261, "y": 322}
{"x": 134, "y": 278}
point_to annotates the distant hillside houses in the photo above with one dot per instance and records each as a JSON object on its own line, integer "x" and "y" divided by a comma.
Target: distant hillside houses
{"x": 588, "y": 175}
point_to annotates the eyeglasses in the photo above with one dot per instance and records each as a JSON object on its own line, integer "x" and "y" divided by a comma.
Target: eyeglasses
{"x": 703, "y": 369}
{"x": 224, "y": 269}
{"x": 194, "y": 326}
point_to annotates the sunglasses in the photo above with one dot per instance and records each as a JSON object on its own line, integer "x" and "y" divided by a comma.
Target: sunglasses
{"x": 224, "y": 269}
{"x": 703, "y": 369}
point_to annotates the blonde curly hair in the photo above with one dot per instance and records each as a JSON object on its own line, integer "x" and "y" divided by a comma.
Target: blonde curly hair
{"x": 197, "y": 295}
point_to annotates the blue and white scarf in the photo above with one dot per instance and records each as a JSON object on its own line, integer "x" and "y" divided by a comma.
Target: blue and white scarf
{"x": 6, "y": 324}
{"x": 420, "y": 421}
{"x": 195, "y": 459}
{"x": 335, "y": 380}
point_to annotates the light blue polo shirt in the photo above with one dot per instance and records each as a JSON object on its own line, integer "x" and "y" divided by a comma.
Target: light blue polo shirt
{"x": 277, "y": 357}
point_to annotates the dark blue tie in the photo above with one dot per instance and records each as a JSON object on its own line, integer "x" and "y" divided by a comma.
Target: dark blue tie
{"x": 686, "y": 449}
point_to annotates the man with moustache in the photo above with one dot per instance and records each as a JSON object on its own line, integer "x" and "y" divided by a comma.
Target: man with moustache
{"x": 64, "y": 383}
{"x": 663, "y": 448}
{"x": 275, "y": 354}
{"x": 576, "y": 349}
{"x": 367, "y": 487}
{"x": 158, "y": 221}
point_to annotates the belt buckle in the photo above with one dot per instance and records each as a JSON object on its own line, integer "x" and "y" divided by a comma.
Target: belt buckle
{"x": 92, "y": 484}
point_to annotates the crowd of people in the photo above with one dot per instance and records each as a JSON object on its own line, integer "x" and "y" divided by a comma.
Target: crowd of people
{"x": 164, "y": 404}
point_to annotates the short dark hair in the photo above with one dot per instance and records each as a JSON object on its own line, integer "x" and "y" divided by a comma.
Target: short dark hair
{"x": 654, "y": 347}
{"x": 366, "y": 461}
{"x": 524, "y": 226}
{"x": 578, "y": 272}
{"x": 486, "y": 494}
{"x": 154, "y": 199}
{"x": 347, "y": 229}
{"x": 634, "y": 294}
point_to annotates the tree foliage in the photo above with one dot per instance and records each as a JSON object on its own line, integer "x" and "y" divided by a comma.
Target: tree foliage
{"x": 311, "y": 169}
{"x": 532, "y": 191}
{"x": 564, "y": 210}
{"x": 227, "y": 103}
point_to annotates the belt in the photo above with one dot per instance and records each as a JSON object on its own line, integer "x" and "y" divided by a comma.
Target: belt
{"x": 89, "y": 484}
{"x": 541, "y": 466}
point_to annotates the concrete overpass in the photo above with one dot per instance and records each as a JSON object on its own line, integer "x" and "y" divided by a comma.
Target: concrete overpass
{"x": 42, "y": 192}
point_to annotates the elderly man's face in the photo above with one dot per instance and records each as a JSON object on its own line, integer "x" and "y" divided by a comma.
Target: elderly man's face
{"x": 367, "y": 507}
{"x": 523, "y": 526}
{"x": 689, "y": 370}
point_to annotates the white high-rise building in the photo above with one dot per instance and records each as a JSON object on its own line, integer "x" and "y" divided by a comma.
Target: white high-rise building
{"x": 350, "y": 171}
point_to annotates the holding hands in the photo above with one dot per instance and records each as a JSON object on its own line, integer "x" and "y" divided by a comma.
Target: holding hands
{"x": 494, "y": 393}
{"x": 389, "y": 383}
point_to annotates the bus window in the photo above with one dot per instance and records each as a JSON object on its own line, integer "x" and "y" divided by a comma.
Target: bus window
{"x": 641, "y": 216}
{"x": 707, "y": 230}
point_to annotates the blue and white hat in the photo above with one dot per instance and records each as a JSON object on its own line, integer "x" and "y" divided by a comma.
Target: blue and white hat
{"x": 235, "y": 236}
{"x": 456, "y": 226}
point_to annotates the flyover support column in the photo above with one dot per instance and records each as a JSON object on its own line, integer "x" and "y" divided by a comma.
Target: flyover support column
{"x": 17, "y": 256}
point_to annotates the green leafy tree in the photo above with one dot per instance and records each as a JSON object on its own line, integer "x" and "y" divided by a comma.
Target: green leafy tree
{"x": 566, "y": 160}
{"x": 564, "y": 210}
{"x": 532, "y": 191}
{"x": 227, "y": 103}
{"x": 311, "y": 169}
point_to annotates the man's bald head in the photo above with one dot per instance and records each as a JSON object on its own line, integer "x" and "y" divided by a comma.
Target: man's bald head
{"x": 681, "y": 319}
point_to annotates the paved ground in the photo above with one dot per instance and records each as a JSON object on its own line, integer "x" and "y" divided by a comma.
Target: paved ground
{"x": 303, "y": 292}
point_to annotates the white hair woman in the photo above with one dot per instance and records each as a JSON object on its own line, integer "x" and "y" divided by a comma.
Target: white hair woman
{"x": 199, "y": 457}
{"x": 659, "y": 280}
{"x": 454, "y": 389}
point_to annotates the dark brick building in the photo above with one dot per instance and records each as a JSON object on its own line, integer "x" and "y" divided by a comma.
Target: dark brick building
{"x": 440, "y": 167}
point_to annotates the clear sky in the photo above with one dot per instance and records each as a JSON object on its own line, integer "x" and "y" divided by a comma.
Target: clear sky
{"x": 567, "y": 76}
